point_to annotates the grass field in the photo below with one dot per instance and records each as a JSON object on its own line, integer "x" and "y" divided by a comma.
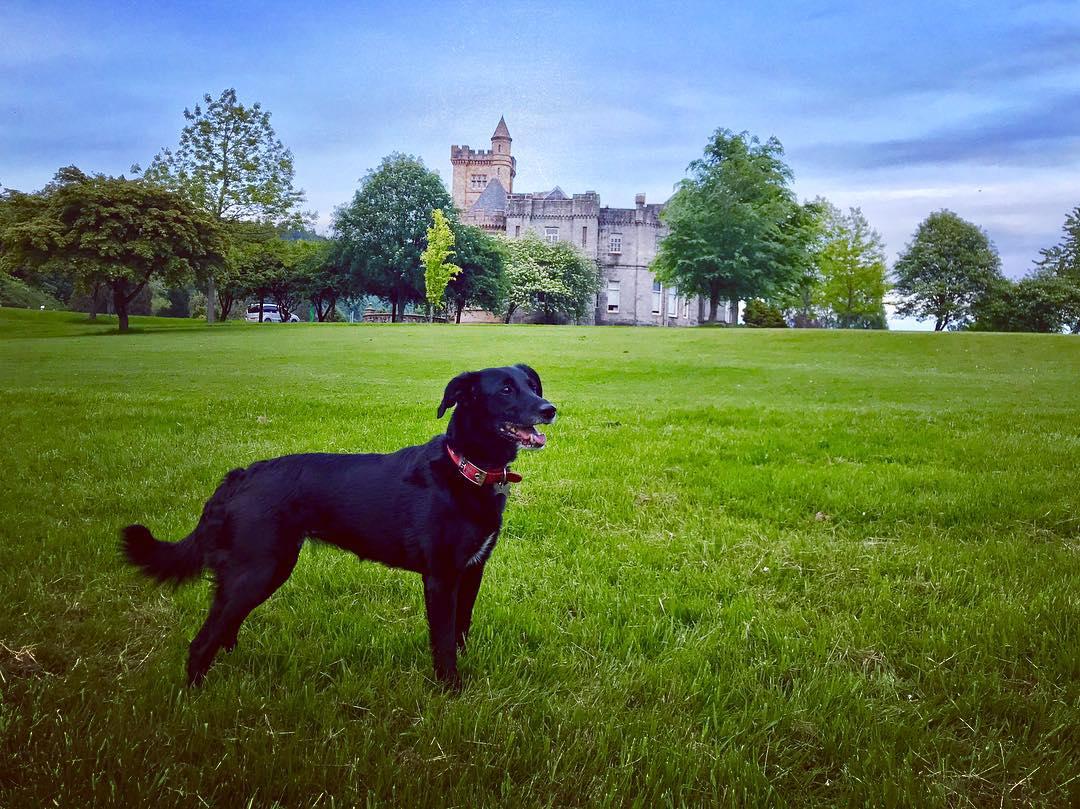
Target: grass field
{"x": 752, "y": 568}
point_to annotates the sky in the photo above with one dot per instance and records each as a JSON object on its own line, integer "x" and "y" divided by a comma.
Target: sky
{"x": 900, "y": 108}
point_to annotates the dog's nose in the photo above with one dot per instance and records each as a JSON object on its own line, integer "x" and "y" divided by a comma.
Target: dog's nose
{"x": 547, "y": 411}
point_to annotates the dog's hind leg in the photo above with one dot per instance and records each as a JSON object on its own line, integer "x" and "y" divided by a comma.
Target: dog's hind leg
{"x": 239, "y": 590}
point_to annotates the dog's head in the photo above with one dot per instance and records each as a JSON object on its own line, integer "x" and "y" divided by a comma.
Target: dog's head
{"x": 504, "y": 404}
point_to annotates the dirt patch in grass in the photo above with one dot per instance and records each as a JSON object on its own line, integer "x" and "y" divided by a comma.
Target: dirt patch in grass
{"x": 20, "y": 662}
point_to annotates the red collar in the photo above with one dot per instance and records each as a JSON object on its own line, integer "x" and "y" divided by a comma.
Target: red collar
{"x": 481, "y": 477}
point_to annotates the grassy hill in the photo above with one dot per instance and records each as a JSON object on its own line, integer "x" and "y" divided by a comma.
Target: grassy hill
{"x": 751, "y": 568}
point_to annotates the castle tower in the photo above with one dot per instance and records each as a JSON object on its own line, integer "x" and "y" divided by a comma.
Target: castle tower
{"x": 475, "y": 168}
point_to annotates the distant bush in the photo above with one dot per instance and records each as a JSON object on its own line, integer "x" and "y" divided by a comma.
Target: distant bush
{"x": 761, "y": 315}
{"x": 18, "y": 295}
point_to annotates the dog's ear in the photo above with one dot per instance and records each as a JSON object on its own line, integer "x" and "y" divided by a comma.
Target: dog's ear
{"x": 535, "y": 377}
{"x": 459, "y": 389}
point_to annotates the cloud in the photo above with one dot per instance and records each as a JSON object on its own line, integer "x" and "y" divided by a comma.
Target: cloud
{"x": 1042, "y": 134}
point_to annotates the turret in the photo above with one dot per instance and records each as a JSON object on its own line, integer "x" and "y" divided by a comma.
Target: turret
{"x": 504, "y": 164}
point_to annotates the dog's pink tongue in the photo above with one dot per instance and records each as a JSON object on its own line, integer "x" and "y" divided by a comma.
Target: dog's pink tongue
{"x": 531, "y": 436}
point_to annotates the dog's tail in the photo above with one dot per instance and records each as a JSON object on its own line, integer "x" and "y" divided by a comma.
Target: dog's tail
{"x": 165, "y": 562}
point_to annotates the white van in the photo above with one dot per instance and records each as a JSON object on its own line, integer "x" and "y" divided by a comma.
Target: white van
{"x": 270, "y": 314}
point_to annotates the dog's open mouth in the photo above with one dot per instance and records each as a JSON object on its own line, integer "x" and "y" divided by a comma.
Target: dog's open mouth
{"x": 526, "y": 435}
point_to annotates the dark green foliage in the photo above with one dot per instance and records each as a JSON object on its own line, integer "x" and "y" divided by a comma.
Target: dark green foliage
{"x": 762, "y": 315}
{"x": 324, "y": 278}
{"x": 736, "y": 229}
{"x": 179, "y": 303}
{"x": 948, "y": 266}
{"x": 111, "y": 232}
{"x": 382, "y": 232}
{"x": 19, "y": 295}
{"x": 1042, "y": 302}
{"x": 482, "y": 281}
{"x": 1062, "y": 261}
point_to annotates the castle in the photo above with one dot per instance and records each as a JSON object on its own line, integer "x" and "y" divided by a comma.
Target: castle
{"x": 622, "y": 241}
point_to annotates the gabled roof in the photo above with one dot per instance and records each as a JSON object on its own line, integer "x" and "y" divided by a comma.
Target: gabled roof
{"x": 556, "y": 193}
{"x": 492, "y": 200}
{"x": 501, "y": 131}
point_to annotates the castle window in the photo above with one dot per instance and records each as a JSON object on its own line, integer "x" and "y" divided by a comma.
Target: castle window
{"x": 517, "y": 231}
{"x": 478, "y": 182}
{"x": 551, "y": 235}
{"x": 657, "y": 293}
{"x": 673, "y": 303}
{"x": 584, "y": 235}
{"x": 613, "y": 296}
{"x": 615, "y": 243}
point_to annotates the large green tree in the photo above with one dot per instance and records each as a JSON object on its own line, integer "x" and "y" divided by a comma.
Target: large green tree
{"x": 382, "y": 231}
{"x": 949, "y": 265}
{"x": 113, "y": 232}
{"x": 482, "y": 280}
{"x": 549, "y": 279}
{"x": 231, "y": 164}
{"x": 736, "y": 230}
{"x": 1063, "y": 262}
{"x": 853, "y": 273}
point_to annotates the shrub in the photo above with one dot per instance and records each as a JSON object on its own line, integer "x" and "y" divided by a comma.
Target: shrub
{"x": 761, "y": 315}
{"x": 18, "y": 295}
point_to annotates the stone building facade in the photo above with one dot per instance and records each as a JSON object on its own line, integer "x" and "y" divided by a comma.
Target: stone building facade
{"x": 622, "y": 241}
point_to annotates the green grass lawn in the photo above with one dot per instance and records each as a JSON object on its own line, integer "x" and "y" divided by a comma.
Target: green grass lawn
{"x": 751, "y": 568}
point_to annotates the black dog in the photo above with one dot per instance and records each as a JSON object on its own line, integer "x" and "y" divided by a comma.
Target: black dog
{"x": 435, "y": 509}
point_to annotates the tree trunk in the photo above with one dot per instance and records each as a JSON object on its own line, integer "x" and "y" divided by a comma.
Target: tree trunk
{"x": 939, "y": 324}
{"x": 211, "y": 299}
{"x": 225, "y": 304}
{"x": 733, "y": 311}
{"x": 94, "y": 301}
{"x": 714, "y": 304}
{"x": 120, "y": 302}
{"x": 457, "y": 316}
{"x": 262, "y": 302}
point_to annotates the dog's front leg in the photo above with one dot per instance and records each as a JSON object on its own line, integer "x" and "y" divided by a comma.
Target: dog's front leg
{"x": 467, "y": 590}
{"x": 440, "y": 598}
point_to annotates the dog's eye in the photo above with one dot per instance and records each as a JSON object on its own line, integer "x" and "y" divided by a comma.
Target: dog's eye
{"x": 507, "y": 390}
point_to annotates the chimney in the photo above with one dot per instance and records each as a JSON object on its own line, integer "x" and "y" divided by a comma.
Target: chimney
{"x": 639, "y": 200}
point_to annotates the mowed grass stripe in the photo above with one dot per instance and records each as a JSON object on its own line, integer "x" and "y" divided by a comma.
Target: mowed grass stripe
{"x": 752, "y": 568}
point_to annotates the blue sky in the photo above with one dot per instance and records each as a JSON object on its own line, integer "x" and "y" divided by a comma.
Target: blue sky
{"x": 900, "y": 108}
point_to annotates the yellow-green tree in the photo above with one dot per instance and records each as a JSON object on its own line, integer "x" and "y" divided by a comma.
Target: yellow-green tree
{"x": 437, "y": 271}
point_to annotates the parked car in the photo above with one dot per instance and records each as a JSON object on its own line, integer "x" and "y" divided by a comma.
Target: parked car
{"x": 270, "y": 314}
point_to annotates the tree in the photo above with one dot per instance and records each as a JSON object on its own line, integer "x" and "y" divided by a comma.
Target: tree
{"x": 482, "y": 281}
{"x": 383, "y": 230}
{"x": 278, "y": 269}
{"x": 1062, "y": 261}
{"x": 437, "y": 272}
{"x": 735, "y": 228}
{"x": 231, "y": 164}
{"x": 853, "y": 273}
{"x": 1040, "y": 302}
{"x": 549, "y": 278}
{"x": 325, "y": 279}
{"x": 947, "y": 267}
{"x": 113, "y": 232}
